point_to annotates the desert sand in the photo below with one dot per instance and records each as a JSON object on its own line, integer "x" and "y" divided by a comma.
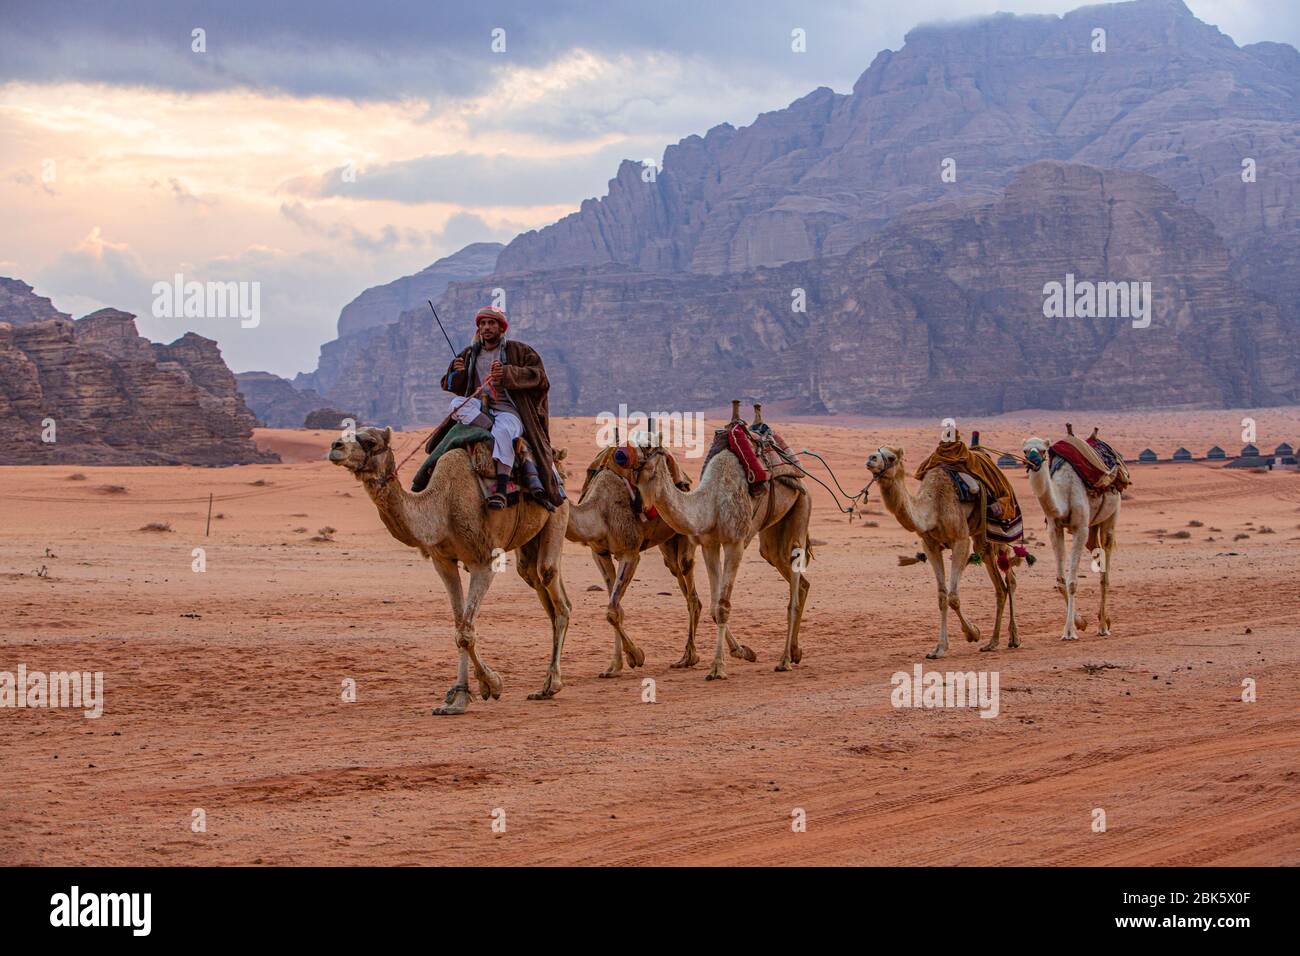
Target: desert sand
{"x": 223, "y": 689}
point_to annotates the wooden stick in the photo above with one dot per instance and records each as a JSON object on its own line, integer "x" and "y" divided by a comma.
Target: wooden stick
{"x": 209, "y": 527}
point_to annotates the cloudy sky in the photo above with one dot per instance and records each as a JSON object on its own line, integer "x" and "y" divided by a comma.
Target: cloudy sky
{"x": 127, "y": 156}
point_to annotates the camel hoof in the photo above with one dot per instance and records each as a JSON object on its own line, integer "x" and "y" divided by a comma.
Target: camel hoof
{"x": 685, "y": 662}
{"x": 988, "y": 647}
{"x": 935, "y": 655}
{"x": 636, "y": 656}
{"x": 1103, "y": 632}
{"x": 456, "y": 702}
{"x": 745, "y": 653}
{"x": 1080, "y": 623}
{"x": 796, "y": 654}
{"x": 782, "y": 667}
{"x": 716, "y": 673}
{"x": 543, "y": 694}
{"x": 1013, "y": 643}
{"x": 1069, "y": 637}
{"x": 489, "y": 684}
{"x": 611, "y": 672}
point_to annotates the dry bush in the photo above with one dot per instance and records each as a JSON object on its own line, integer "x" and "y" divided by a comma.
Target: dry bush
{"x": 111, "y": 489}
{"x": 77, "y": 476}
{"x": 157, "y": 526}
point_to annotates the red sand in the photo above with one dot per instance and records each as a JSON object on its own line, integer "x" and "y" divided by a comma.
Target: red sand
{"x": 223, "y": 688}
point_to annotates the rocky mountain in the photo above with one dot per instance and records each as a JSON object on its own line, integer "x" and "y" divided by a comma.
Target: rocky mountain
{"x": 382, "y": 304}
{"x": 942, "y": 312}
{"x": 275, "y": 400}
{"x": 20, "y": 305}
{"x": 921, "y": 215}
{"x": 113, "y": 396}
{"x": 1169, "y": 96}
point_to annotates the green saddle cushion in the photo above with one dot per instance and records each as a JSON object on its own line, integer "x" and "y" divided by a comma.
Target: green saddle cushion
{"x": 459, "y": 435}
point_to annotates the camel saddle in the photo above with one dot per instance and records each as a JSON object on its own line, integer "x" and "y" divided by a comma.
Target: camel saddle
{"x": 1098, "y": 466}
{"x": 761, "y": 452}
{"x": 477, "y": 442}
{"x": 997, "y": 517}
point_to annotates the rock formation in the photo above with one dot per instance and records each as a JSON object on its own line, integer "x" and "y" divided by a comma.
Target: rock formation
{"x": 921, "y": 215}
{"x": 940, "y": 313}
{"x": 275, "y": 401}
{"x": 113, "y": 396}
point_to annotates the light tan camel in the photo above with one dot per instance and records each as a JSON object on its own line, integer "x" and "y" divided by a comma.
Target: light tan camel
{"x": 722, "y": 518}
{"x": 449, "y": 522}
{"x": 941, "y": 521}
{"x": 604, "y": 521}
{"x": 1070, "y": 506}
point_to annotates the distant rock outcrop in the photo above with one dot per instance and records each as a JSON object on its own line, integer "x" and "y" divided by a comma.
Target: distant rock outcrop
{"x": 325, "y": 418}
{"x": 275, "y": 401}
{"x": 113, "y": 397}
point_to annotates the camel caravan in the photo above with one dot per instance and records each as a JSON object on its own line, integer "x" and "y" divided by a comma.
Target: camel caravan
{"x": 491, "y": 485}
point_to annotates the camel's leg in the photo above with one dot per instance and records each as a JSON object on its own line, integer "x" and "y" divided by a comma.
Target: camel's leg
{"x": 679, "y": 556}
{"x": 799, "y": 517}
{"x": 1073, "y": 624}
{"x": 713, "y": 565}
{"x": 1000, "y": 590}
{"x": 960, "y": 558}
{"x": 1108, "y": 549}
{"x": 1013, "y": 633}
{"x": 548, "y": 548}
{"x": 617, "y": 585}
{"x": 1058, "y": 551}
{"x": 457, "y": 699}
{"x": 777, "y": 544}
{"x": 934, "y": 556}
{"x": 489, "y": 682}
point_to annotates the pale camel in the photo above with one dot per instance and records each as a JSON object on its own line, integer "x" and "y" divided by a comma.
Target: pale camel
{"x": 722, "y": 517}
{"x": 941, "y": 521}
{"x": 604, "y": 521}
{"x": 449, "y": 522}
{"x": 1070, "y": 506}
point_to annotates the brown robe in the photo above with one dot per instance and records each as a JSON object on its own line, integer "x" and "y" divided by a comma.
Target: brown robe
{"x": 525, "y": 381}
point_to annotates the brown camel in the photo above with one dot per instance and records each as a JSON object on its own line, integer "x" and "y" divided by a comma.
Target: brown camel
{"x": 604, "y": 521}
{"x": 449, "y": 522}
{"x": 942, "y": 522}
{"x": 722, "y": 518}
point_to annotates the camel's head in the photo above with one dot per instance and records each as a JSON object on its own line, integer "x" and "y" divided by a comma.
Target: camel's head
{"x": 365, "y": 452}
{"x": 885, "y": 462}
{"x": 640, "y": 457}
{"x": 1035, "y": 450}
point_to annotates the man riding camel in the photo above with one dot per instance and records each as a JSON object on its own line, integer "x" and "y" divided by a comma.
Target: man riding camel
{"x": 513, "y": 403}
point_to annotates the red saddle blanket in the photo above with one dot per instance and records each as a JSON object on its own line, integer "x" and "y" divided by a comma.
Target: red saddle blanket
{"x": 1088, "y": 471}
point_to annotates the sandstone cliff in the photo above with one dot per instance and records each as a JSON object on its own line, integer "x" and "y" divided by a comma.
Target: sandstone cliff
{"x": 1170, "y": 96}
{"x": 940, "y": 313}
{"x": 1172, "y": 158}
{"x": 116, "y": 398}
{"x": 275, "y": 400}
